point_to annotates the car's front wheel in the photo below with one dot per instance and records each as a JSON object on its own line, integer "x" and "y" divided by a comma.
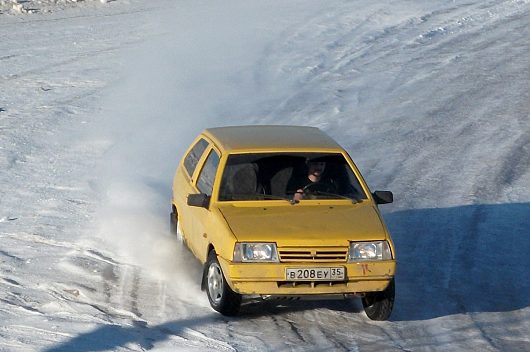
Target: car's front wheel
{"x": 220, "y": 295}
{"x": 378, "y": 305}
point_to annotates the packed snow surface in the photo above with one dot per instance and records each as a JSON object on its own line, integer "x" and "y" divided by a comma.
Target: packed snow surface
{"x": 98, "y": 101}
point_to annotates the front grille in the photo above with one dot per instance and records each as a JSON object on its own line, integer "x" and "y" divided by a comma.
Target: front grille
{"x": 313, "y": 255}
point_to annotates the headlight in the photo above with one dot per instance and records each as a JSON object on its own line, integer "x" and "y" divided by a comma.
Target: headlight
{"x": 379, "y": 250}
{"x": 255, "y": 252}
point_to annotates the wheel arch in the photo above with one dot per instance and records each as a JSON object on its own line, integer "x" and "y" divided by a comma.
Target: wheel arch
{"x": 204, "y": 273}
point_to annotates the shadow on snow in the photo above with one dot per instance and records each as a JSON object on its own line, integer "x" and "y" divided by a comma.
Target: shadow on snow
{"x": 463, "y": 259}
{"x": 111, "y": 337}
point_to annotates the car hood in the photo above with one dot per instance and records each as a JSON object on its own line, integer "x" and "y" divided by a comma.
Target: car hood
{"x": 300, "y": 225}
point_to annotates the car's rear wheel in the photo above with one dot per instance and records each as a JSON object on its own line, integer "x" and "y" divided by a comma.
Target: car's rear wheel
{"x": 220, "y": 295}
{"x": 378, "y": 305}
{"x": 174, "y": 226}
{"x": 173, "y": 221}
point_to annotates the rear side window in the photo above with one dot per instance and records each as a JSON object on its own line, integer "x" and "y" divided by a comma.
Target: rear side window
{"x": 191, "y": 160}
{"x": 207, "y": 176}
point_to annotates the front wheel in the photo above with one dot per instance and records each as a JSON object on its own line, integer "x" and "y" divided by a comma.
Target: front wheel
{"x": 220, "y": 295}
{"x": 378, "y": 305}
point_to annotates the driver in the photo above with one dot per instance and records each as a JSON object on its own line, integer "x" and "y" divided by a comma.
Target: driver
{"x": 314, "y": 181}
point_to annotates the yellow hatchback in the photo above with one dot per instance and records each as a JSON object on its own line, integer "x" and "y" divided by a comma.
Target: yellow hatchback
{"x": 282, "y": 211}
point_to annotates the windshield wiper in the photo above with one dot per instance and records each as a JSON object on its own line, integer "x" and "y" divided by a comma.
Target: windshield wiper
{"x": 247, "y": 196}
{"x": 270, "y": 196}
{"x": 329, "y": 194}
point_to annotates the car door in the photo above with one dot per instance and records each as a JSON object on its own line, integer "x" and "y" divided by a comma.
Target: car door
{"x": 184, "y": 183}
{"x": 204, "y": 184}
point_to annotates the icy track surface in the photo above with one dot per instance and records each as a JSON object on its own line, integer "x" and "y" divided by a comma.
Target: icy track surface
{"x": 98, "y": 102}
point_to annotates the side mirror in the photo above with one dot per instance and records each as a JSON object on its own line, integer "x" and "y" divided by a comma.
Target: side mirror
{"x": 199, "y": 200}
{"x": 383, "y": 197}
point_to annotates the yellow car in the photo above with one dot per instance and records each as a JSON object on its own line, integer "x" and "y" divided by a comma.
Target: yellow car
{"x": 282, "y": 211}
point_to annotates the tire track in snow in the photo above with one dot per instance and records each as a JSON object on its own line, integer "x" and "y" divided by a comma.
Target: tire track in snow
{"x": 11, "y": 256}
{"x": 515, "y": 163}
{"x": 192, "y": 337}
{"x": 293, "y": 329}
{"x": 90, "y": 55}
{"x": 134, "y": 294}
{"x": 494, "y": 346}
{"x": 17, "y": 302}
{"x": 6, "y": 57}
{"x": 76, "y": 17}
{"x": 10, "y": 281}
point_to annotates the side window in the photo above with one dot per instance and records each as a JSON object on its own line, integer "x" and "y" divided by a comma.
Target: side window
{"x": 191, "y": 160}
{"x": 207, "y": 175}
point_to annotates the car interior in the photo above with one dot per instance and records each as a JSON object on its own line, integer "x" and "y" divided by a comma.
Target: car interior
{"x": 278, "y": 175}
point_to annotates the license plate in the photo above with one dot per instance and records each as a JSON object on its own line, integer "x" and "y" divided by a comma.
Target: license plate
{"x": 315, "y": 274}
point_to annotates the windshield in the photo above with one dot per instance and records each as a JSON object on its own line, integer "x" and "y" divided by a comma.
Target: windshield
{"x": 265, "y": 176}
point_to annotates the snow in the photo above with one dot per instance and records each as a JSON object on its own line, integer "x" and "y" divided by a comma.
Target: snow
{"x": 28, "y": 7}
{"x": 99, "y": 100}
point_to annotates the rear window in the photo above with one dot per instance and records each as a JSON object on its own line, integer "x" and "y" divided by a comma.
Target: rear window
{"x": 193, "y": 157}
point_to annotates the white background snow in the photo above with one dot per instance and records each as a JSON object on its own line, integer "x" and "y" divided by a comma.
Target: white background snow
{"x": 98, "y": 101}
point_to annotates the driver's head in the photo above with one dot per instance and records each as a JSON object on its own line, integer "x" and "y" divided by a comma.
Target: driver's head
{"x": 316, "y": 168}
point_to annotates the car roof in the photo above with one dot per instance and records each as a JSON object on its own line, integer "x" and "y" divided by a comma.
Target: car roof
{"x": 271, "y": 138}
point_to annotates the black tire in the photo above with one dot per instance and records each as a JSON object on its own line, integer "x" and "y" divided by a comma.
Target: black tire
{"x": 173, "y": 222}
{"x": 378, "y": 305}
{"x": 176, "y": 230}
{"x": 220, "y": 295}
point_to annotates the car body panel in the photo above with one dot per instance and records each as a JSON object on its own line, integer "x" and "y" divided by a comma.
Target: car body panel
{"x": 312, "y": 225}
{"x": 264, "y": 138}
{"x": 269, "y": 279}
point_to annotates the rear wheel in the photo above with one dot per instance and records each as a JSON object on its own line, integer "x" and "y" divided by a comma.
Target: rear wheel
{"x": 173, "y": 220}
{"x": 174, "y": 226}
{"x": 378, "y": 305}
{"x": 220, "y": 295}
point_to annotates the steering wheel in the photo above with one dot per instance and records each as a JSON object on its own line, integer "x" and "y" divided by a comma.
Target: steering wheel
{"x": 312, "y": 187}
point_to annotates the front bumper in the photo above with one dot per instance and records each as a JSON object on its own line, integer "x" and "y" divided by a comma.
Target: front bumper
{"x": 269, "y": 278}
